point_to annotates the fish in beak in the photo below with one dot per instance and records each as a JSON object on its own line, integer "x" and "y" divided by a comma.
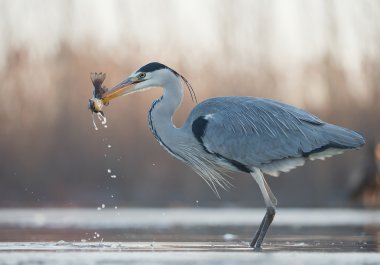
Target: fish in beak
{"x": 102, "y": 95}
{"x": 96, "y": 103}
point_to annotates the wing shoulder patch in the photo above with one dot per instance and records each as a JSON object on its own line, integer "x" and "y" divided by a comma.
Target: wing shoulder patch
{"x": 199, "y": 128}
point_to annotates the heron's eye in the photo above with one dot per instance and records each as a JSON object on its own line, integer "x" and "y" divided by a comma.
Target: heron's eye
{"x": 141, "y": 75}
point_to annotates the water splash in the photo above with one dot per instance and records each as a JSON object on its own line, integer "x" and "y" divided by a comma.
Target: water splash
{"x": 93, "y": 122}
{"x": 102, "y": 119}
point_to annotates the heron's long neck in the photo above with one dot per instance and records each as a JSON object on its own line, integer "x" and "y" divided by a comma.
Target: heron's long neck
{"x": 161, "y": 113}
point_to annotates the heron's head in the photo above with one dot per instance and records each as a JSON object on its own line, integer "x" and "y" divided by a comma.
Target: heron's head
{"x": 148, "y": 76}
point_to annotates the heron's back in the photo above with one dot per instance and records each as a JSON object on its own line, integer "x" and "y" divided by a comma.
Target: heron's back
{"x": 266, "y": 134}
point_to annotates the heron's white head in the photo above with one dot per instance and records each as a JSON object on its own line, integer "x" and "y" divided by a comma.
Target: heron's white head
{"x": 148, "y": 76}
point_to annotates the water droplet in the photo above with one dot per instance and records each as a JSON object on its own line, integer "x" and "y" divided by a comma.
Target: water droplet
{"x": 229, "y": 237}
{"x": 109, "y": 170}
{"x": 113, "y": 176}
{"x": 98, "y": 208}
{"x": 61, "y": 242}
{"x": 102, "y": 118}
{"x": 93, "y": 122}
{"x": 103, "y": 206}
{"x": 115, "y": 207}
{"x": 109, "y": 146}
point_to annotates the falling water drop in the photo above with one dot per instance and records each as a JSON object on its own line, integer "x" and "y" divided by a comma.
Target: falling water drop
{"x": 93, "y": 122}
{"x": 102, "y": 118}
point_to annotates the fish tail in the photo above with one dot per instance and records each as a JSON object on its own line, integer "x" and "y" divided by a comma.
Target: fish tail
{"x": 97, "y": 78}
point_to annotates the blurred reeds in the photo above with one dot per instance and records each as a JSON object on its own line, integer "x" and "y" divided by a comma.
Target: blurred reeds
{"x": 305, "y": 54}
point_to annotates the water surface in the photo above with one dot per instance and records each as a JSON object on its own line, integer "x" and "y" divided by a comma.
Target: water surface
{"x": 165, "y": 236}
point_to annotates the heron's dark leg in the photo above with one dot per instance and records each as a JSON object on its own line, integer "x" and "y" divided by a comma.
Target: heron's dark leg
{"x": 261, "y": 232}
{"x": 270, "y": 202}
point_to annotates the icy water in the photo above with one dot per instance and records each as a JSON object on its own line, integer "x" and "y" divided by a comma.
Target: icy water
{"x": 187, "y": 236}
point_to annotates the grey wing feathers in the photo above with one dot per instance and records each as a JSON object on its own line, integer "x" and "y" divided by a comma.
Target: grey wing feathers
{"x": 268, "y": 134}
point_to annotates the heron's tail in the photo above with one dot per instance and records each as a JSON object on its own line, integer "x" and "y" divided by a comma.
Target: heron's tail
{"x": 336, "y": 140}
{"x": 343, "y": 138}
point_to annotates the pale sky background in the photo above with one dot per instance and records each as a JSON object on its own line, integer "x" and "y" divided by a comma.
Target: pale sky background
{"x": 287, "y": 34}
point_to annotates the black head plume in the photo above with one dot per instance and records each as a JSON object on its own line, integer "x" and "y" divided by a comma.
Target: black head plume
{"x": 154, "y": 66}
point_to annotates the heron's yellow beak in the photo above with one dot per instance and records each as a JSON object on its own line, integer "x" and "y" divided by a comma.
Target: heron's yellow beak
{"x": 124, "y": 88}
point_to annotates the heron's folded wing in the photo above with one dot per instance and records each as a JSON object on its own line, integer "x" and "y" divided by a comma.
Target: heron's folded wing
{"x": 256, "y": 131}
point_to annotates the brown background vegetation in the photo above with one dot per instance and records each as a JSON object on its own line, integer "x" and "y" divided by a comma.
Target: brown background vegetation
{"x": 322, "y": 57}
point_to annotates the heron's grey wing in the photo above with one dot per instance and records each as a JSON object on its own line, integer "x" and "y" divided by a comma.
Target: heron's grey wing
{"x": 253, "y": 132}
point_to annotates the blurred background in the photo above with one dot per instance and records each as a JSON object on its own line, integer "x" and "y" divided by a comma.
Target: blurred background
{"x": 322, "y": 56}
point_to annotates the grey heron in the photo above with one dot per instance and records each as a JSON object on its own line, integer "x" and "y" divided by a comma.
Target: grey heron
{"x": 226, "y": 134}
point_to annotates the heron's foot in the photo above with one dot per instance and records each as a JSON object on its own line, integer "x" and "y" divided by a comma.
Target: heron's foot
{"x": 254, "y": 240}
{"x": 257, "y": 249}
{"x": 255, "y": 246}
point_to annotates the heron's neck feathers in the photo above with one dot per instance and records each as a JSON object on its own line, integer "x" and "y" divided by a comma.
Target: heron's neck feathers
{"x": 163, "y": 109}
{"x": 171, "y": 99}
{"x": 161, "y": 113}
{"x": 176, "y": 140}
